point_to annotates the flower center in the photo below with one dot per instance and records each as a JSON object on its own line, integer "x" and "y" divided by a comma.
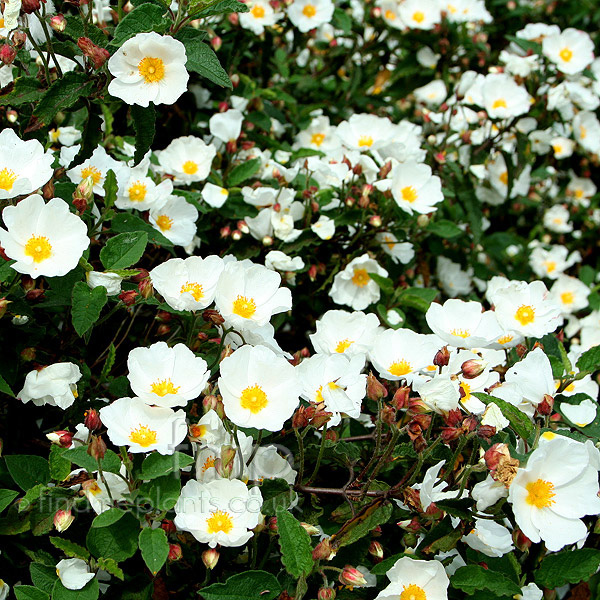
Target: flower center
{"x": 92, "y": 172}
{"x": 162, "y": 387}
{"x": 164, "y": 222}
{"x": 413, "y": 592}
{"x": 137, "y": 192}
{"x": 567, "y": 297}
{"x": 566, "y": 54}
{"x": 143, "y": 436}
{"x": 151, "y": 69}
{"x": 550, "y": 265}
{"x": 253, "y": 399}
{"x": 219, "y": 521}
{"x": 365, "y": 140}
{"x": 525, "y": 314}
{"x": 540, "y": 493}
{"x": 500, "y": 103}
{"x": 309, "y": 11}
{"x": 360, "y": 277}
{"x": 505, "y": 339}
{"x": 389, "y": 15}
{"x": 1, "y": 23}
{"x": 466, "y": 390}
{"x": 409, "y": 194}
{"x": 198, "y": 431}
{"x": 39, "y": 248}
{"x": 343, "y": 345}
{"x": 189, "y": 167}
{"x": 258, "y": 11}
{"x": 208, "y": 463}
{"x": 7, "y": 179}
{"x": 504, "y": 177}
{"x": 463, "y": 333}
{"x": 400, "y": 367}
{"x": 244, "y": 307}
{"x": 418, "y": 16}
{"x": 317, "y": 138}
{"x": 193, "y": 288}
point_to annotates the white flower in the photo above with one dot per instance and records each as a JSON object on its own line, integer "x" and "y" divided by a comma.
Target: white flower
{"x": 67, "y": 135}
{"x": 454, "y": 280}
{"x": 260, "y": 15}
{"x": 530, "y": 592}
{"x": 486, "y": 493}
{"x": 572, "y": 50}
{"x": 490, "y": 538}
{"x": 365, "y": 132}
{"x": 416, "y": 580}
{"x": 214, "y": 195}
{"x": 4, "y": 587}
{"x": 503, "y": 98}
{"x": 226, "y": 126}
{"x": 176, "y": 220}
{"x": 149, "y": 68}
{"x": 441, "y": 394}
{"x": 586, "y": 129}
{"x": 97, "y": 493}
{"x": 43, "y": 238}
{"x": 131, "y": 422}
{"x": 309, "y": 14}
{"x": 324, "y": 227}
{"x": 280, "y": 261}
{"x": 558, "y": 486}
{"x": 219, "y": 512}
{"x": 24, "y": 165}
{"x": 187, "y": 158}
{"x": 569, "y": 293}
{"x": 433, "y": 93}
{"x": 268, "y": 464}
{"x": 74, "y": 573}
{"x": 188, "y": 284}
{"x": 259, "y": 388}
{"x": 167, "y": 377}
{"x": 533, "y": 376}
{"x": 418, "y": 14}
{"x": 581, "y": 414}
{"x": 137, "y": 190}
{"x": 401, "y": 252}
{"x": 55, "y": 385}
{"x": 556, "y": 219}
{"x": 96, "y": 167}
{"x": 354, "y": 287}
{"x": 110, "y": 281}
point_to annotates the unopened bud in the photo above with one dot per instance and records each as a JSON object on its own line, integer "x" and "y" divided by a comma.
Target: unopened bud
{"x": 323, "y": 550}
{"x": 422, "y": 221}
{"x": 376, "y": 549}
{"x": 209, "y": 403}
{"x": 146, "y": 288}
{"x": 352, "y": 576}
{"x": 12, "y": 116}
{"x": 58, "y": 23}
{"x": 210, "y": 558}
{"x": 63, "y": 519}
{"x": 128, "y": 297}
{"x": 97, "y": 448}
{"x": 401, "y": 397}
{"x": 213, "y": 316}
{"x": 375, "y": 221}
{"x": 236, "y": 235}
{"x": 442, "y": 357}
{"x": 375, "y": 389}
{"x": 61, "y": 438}
{"x": 98, "y": 56}
{"x": 7, "y": 54}
{"x": 326, "y": 593}
{"x": 175, "y": 553}
{"x": 216, "y": 43}
{"x": 310, "y": 529}
{"x": 3, "y": 306}
{"x": 300, "y": 418}
{"x": 28, "y": 354}
{"x": 545, "y": 407}
{"x": 268, "y": 240}
{"x": 473, "y": 368}
{"x": 168, "y": 526}
{"x": 29, "y": 6}
{"x": 91, "y": 419}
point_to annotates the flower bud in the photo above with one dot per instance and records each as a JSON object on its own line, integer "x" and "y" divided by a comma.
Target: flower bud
{"x": 545, "y": 407}
{"x": 216, "y": 43}
{"x": 310, "y": 529}
{"x": 175, "y": 553}
{"x": 236, "y": 235}
{"x": 326, "y": 593}
{"x": 376, "y": 549}
{"x": 97, "y": 448}
{"x": 268, "y": 240}
{"x": 521, "y": 541}
{"x": 146, "y": 288}
{"x": 91, "y": 419}
{"x": 401, "y": 397}
{"x": 7, "y": 54}
{"x": 227, "y": 455}
{"x": 210, "y": 558}
{"x": 168, "y": 526}
{"x": 323, "y": 550}
{"x": 473, "y": 368}
{"x": 61, "y": 438}
{"x": 209, "y": 403}
{"x": 300, "y": 418}
{"x": 29, "y": 6}
{"x": 352, "y": 576}
{"x": 28, "y": 354}
{"x": 58, "y": 23}
{"x": 63, "y": 519}
{"x": 213, "y": 316}
{"x": 375, "y": 389}
{"x": 127, "y": 297}
{"x": 375, "y": 221}
{"x": 422, "y": 221}
{"x": 442, "y": 357}
{"x": 98, "y": 56}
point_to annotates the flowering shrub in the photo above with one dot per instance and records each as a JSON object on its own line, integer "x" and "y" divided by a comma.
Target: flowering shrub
{"x": 299, "y": 299}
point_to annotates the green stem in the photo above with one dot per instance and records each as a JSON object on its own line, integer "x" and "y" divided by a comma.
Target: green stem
{"x": 256, "y": 447}
{"x": 300, "y": 455}
{"x": 49, "y": 42}
{"x": 452, "y": 461}
{"x": 319, "y": 457}
{"x": 41, "y": 53}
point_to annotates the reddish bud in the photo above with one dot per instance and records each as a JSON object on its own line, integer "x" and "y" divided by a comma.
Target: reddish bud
{"x": 128, "y": 297}
{"x": 63, "y": 519}
{"x": 521, "y": 541}
{"x": 168, "y": 526}
{"x": 545, "y": 407}
{"x": 144, "y": 274}
{"x": 92, "y": 419}
{"x": 175, "y": 553}
{"x": 58, "y": 23}
{"x": 216, "y": 43}
{"x": 401, "y": 397}
{"x": 323, "y": 550}
{"x": 61, "y": 438}
{"x": 326, "y": 593}
{"x": 494, "y": 454}
{"x": 97, "y": 448}
{"x": 145, "y": 288}
{"x": 29, "y": 6}
{"x": 28, "y": 354}
{"x": 312, "y": 272}
{"x": 300, "y": 418}
{"x": 209, "y": 403}
{"x": 98, "y": 56}
{"x": 376, "y": 549}
{"x": 375, "y": 389}
{"x": 352, "y": 576}
{"x": 486, "y": 432}
{"x": 442, "y": 357}
{"x": 7, "y": 54}
{"x": 473, "y": 368}
{"x": 213, "y": 316}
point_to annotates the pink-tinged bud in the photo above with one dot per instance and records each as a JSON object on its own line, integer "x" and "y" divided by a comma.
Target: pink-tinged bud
{"x": 175, "y": 553}
{"x": 85, "y": 189}
{"x": 310, "y": 529}
{"x": 145, "y": 288}
{"x": 473, "y": 368}
{"x": 168, "y": 526}
{"x": 375, "y": 389}
{"x": 3, "y": 306}
{"x": 58, "y": 23}
{"x": 216, "y": 43}
{"x": 385, "y": 170}
{"x": 144, "y": 274}
{"x": 12, "y": 116}
{"x": 7, "y": 54}
{"x": 210, "y": 558}
{"x": 28, "y": 354}
{"x": 417, "y": 406}
{"x": 97, "y": 448}
{"x": 236, "y": 235}
{"x": 442, "y": 357}
{"x": 545, "y": 407}
{"x": 376, "y": 549}
{"x": 163, "y": 330}
{"x": 323, "y": 551}
{"x": 29, "y": 6}
{"x": 63, "y": 519}
{"x": 494, "y": 454}
{"x": 235, "y": 78}
{"x": 375, "y": 221}
{"x": 227, "y": 455}
{"x": 128, "y": 297}
{"x": 326, "y": 593}
{"x": 312, "y": 272}
{"x": 352, "y": 576}
{"x": 231, "y": 148}
{"x": 91, "y": 419}
{"x": 268, "y": 240}
{"x": 233, "y": 18}
{"x": 98, "y": 56}
{"x": 225, "y": 231}
{"x": 521, "y": 541}
{"x": 209, "y": 403}
{"x": 19, "y": 38}
{"x": 401, "y": 397}
{"x": 410, "y": 525}
{"x": 61, "y": 438}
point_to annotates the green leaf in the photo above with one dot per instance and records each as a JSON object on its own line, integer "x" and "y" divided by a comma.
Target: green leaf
{"x": 144, "y": 124}
{"x": 90, "y": 591}
{"x": 243, "y": 171}
{"x": 79, "y": 456}
{"x": 126, "y": 222}
{"x": 124, "y": 250}
{"x": 385, "y": 283}
{"x": 70, "y": 549}
{"x": 162, "y": 492}
{"x": 5, "y": 388}
{"x": 6, "y": 498}
{"x": 60, "y": 467}
{"x": 570, "y": 566}
{"x": 444, "y": 229}
{"x": 143, "y": 19}
{"x": 111, "y": 187}
{"x": 519, "y": 421}
{"x": 28, "y": 592}
{"x": 276, "y": 493}
{"x": 111, "y": 566}
{"x": 217, "y": 8}
{"x": 201, "y": 59}
{"x": 119, "y": 540}
{"x": 418, "y": 298}
{"x": 75, "y": 30}
{"x": 374, "y": 515}
{"x": 31, "y": 497}
{"x": 21, "y": 91}
{"x": 27, "y": 470}
{"x": 342, "y": 20}
{"x": 590, "y": 360}
{"x": 472, "y": 578}
{"x": 63, "y": 94}
{"x": 154, "y": 547}
{"x": 251, "y": 585}
{"x": 86, "y": 305}
{"x": 157, "y": 465}
{"x": 294, "y": 541}
{"x": 108, "y": 517}
{"x": 43, "y": 577}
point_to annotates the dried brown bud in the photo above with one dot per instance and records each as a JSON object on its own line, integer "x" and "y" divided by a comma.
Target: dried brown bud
{"x": 98, "y": 56}
{"x": 442, "y": 357}
{"x": 97, "y": 448}
{"x": 375, "y": 389}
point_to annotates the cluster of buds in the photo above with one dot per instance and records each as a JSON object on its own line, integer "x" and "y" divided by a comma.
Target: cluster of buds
{"x": 416, "y": 427}
{"x": 97, "y": 56}
{"x": 313, "y": 415}
{"x": 457, "y": 425}
{"x": 83, "y": 194}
